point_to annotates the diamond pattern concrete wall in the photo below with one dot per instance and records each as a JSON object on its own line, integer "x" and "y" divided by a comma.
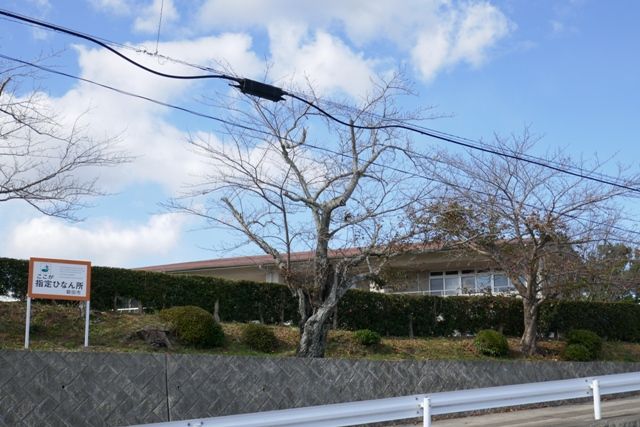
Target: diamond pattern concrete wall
{"x": 116, "y": 389}
{"x": 81, "y": 389}
{"x": 206, "y": 386}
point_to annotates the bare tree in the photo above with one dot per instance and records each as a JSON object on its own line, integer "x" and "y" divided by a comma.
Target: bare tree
{"x": 41, "y": 159}
{"x": 610, "y": 274}
{"x": 292, "y": 180}
{"x": 533, "y": 222}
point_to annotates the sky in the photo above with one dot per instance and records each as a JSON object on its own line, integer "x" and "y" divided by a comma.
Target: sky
{"x": 567, "y": 69}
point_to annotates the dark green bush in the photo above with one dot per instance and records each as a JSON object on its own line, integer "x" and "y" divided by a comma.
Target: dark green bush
{"x": 259, "y": 337}
{"x": 395, "y": 315}
{"x": 491, "y": 343}
{"x": 194, "y": 326}
{"x": 614, "y": 321}
{"x": 589, "y": 339}
{"x": 577, "y": 353}
{"x": 367, "y": 337}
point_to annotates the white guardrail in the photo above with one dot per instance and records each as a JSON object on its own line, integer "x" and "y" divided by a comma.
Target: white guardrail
{"x": 427, "y": 405}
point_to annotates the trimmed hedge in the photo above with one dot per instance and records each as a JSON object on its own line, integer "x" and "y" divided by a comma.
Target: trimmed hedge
{"x": 577, "y": 353}
{"x": 388, "y": 315}
{"x": 589, "y": 339}
{"x": 259, "y": 337}
{"x": 239, "y": 301}
{"x": 397, "y": 315}
{"x": 367, "y": 337}
{"x": 491, "y": 343}
{"x": 194, "y": 326}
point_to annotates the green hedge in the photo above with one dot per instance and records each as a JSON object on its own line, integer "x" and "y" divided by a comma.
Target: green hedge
{"x": 397, "y": 315}
{"x": 394, "y": 315}
{"x": 239, "y": 301}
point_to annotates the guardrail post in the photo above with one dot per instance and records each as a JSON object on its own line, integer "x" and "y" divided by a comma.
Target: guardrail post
{"x": 426, "y": 412}
{"x": 595, "y": 386}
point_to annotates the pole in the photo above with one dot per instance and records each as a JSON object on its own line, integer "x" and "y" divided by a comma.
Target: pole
{"x": 597, "y": 413}
{"x": 87, "y": 307}
{"x": 426, "y": 412}
{"x": 27, "y": 324}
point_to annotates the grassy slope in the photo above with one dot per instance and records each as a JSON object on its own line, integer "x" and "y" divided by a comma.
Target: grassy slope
{"x": 61, "y": 327}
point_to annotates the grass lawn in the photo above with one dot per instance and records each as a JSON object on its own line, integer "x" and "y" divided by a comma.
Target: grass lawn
{"x": 60, "y": 327}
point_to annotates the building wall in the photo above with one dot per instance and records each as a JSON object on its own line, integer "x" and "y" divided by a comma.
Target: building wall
{"x": 408, "y": 273}
{"x": 106, "y": 389}
{"x": 250, "y": 273}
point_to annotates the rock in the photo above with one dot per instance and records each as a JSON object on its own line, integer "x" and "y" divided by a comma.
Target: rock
{"x": 155, "y": 336}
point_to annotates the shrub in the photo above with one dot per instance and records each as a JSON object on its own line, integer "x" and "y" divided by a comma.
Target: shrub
{"x": 194, "y": 326}
{"x": 259, "y": 337}
{"x": 491, "y": 343}
{"x": 576, "y": 353}
{"x": 394, "y": 315}
{"x": 589, "y": 339}
{"x": 367, "y": 337}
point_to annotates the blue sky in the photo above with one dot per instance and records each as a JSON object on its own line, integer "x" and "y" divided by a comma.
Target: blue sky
{"x": 567, "y": 68}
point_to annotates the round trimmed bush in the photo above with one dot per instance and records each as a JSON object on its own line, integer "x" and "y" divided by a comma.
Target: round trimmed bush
{"x": 491, "y": 343}
{"x": 576, "y": 353}
{"x": 259, "y": 337}
{"x": 194, "y": 326}
{"x": 367, "y": 337}
{"x": 587, "y": 338}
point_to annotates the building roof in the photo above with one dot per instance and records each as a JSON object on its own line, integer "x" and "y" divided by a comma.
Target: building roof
{"x": 255, "y": 260}
{"x": 244, "y": 261}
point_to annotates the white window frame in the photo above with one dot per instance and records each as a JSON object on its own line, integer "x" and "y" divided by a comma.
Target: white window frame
{"x": 459, "y": 275}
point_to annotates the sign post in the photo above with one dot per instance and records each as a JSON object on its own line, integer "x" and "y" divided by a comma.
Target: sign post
{"x": 59, "y": 279}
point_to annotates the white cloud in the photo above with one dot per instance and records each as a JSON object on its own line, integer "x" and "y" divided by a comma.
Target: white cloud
{"x": 323, "y": 59}
{"x": 160, "y": 148}
{"x": 101, "y": 242}
{"x": 362, "y": 20}
{"x": 105, "y": 67}
{"x": 117, "y": 7}
{"x": 436, "y": 34}
{"x": 149, "y": 16}
{"x": 463, "y": 35}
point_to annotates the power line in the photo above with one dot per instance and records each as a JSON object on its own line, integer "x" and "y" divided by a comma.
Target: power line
{"x": 131, "y": 94}
{"x": 464, "y": 144}
{"x": 159, "y": 25}
{"x": 275, "y": 94}
{"x": 114, "y": 51}
{"x": 137, "y": 49}
{"x": 267, "y": 133}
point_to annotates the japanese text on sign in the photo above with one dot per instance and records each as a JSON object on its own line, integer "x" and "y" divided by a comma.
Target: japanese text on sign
{"x": 59, "y": 279}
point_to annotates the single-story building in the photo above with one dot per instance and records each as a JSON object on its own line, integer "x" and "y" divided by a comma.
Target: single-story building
{"x": 431, "y": 272}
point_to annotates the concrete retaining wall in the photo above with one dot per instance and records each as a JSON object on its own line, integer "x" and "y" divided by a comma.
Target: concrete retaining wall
{"x": 116, "y": 389}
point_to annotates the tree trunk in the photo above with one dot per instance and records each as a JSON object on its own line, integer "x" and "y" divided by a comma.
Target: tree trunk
{"x": 529, "y": 341}
{"x": 313, "y": 336}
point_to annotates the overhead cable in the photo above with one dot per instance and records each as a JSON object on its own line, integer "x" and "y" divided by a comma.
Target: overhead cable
{"x": 268, "y": 133}
{"x": 95, "y": 40}
{"x": 275, "y": 94}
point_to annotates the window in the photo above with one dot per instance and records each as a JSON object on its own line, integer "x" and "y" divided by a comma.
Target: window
{"x": 451, "y": 284}
{"x": 436, "y": 285}
{"x": 483, "y": 282}
{"x": 469, "y": 284}
{"x": 501, "y": 283}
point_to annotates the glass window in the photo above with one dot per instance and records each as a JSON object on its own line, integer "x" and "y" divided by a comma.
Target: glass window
{"x": 452, "y": 285}
{"x": 501, "y": 283}
{"x": 483, "y": 282}
{"x": 436, "y": 286}
{"x": 468, "y": 284}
